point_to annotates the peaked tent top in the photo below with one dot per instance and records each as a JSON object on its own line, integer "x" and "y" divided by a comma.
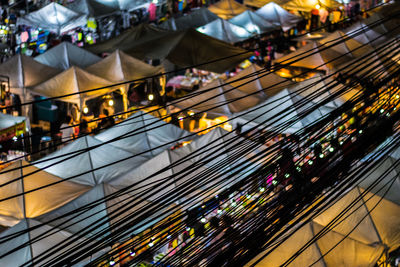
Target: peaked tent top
{"x": 33, "y": 204}
{"x": 184, "y": 49}
{"x": 119, "y": 67}
{"x": 197, "y": 18}
{"x": 73, "y": 80}
{"x": 24, "y": 71}
{"x": 99, "y": 156}
{"x": 54, "y": 17}
{"x": 94, "y": 8}
{"x": 276, "y": 14}
{"x": 225, "y": 31}
{"x": 66, "y": 55}
{"x": 253, "y": 22}
{"x": 227, "y": 9}
{"x": 146, "y": 132}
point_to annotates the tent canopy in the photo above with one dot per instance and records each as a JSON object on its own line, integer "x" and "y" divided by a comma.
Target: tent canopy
{"x": 24, "y": 72}
{"x": 184, "y": 49}
{"x": 73, "y": 80}
{"x": 146, "y": 132}
{"x": 7, "y": 121}
{"x": 225, "y": 31}
{"x": 87, "y": 161}
{"x": 66, "y": 55}
{"x": 253, "y": 22}
{"x": 227, "y": 9}
{"x": 276, "y": 14}
{"x": 197, "y": 18}
{"x": 54, "y": 17}
{"x": 95, "y": 8}
{"x": 37, "y": 202}
{"x": 298, "y": 5}
{"x": 119, "y": 67}
{"x": 265, "y": 85}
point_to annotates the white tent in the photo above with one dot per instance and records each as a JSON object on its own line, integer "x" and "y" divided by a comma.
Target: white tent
{"x": 34, "y": 246}
{"x": 276, "y": 14}
{"x": 253, "y": 22}
{"x": 374, "y": 219}
{"x": 89, "y": 160}
{"x": 74, "y": 80}
{"x": 266, "y": 85}
{"x": 25, "y": 72}
{"x": 227, "y": 9}
{"x": 314, "y": 56}
{"x": 120, "y": 67}
{"x": 266, "y": 113}
{"x": 35, "y": 203}
{"x": 66, "y": 55}
{"x": 197, "y": 18}
{"x": 54, "y": 17}
{"x": 146, "y": 132}
{"x": 95, "y": 8}
{"x": 225, "y": 31}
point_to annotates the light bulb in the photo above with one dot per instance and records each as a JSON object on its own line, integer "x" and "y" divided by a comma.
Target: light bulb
{"x": 85, "y": 110}
{"x": 317, "y": 6}
{"x": 203, "y": 220}
{"x": 150, "y": 97}
{"x": 132, "y": 253}
{"x": 262, "y": 189}
{"x": 111, "y": 102}
{"x": 112, "y": 262}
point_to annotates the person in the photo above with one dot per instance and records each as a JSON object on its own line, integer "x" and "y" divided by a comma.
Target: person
{"x": 84, "y": 128}
{"x": 67, "y": 132}
{"x": 106, "y": 122}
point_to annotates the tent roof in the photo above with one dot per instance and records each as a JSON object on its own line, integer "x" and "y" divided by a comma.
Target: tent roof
{"x": 73, "y": 80}
{"x": 87, "y": 161}
{"x": 149, "y": 133}
{"x": 7, "y": 121}
{"x": 314, "y": 56}
{"x": 54, "y": 17}
{"x": 223, "y": 89}
{"x": 225, "y": 31}
{"x": 66, "y": 55}
{"x": 33, "y": 204}
{"x": 94, "y": 8}
{"x": 197, "y": 18}
{"x": 253, "y": 22}
{"x": 119, "y": 67}
{"x": 23, "y": 71}
{"x": 186, "y": 48}
{"x": 276, "y": 14}
{"x": 227, "y": 9}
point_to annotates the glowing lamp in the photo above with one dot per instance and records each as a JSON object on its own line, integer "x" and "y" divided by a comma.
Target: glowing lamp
{"x": 111, "y": 102}
{"x": 317, "y": 6}
{"x": 85, "y": 110}
{"x": 151, "y": 244}
{"x": 112, "y": 262}
{"x": 262, "y": 189}
{"x": 150, "y": 97}
{"x": 331, "y": 149}
{"x": 132, "y": 253}
{"x": 203, "y": 220}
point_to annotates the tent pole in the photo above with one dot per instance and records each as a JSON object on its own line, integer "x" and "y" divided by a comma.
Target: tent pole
{"x": 124, "y": 93}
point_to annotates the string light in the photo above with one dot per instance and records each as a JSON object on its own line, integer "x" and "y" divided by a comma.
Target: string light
{"x": 112, "y": 262}
{"x": 203, "y": 220}
{"x": 321, "y": 156}
{"x": 310, "y": 162}
{"x": 331, "y": 149}
{"x": 262, "y": 189}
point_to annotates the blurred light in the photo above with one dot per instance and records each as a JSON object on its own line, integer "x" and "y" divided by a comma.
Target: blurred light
{"x": 287, "y": 175}
{"x": 397, "y": 96}
{"x": 180, "y": 118}
{"x": 85, "y": 109}
{"x": 241, "y": 32}
{"x": 219, "y": 211}
{"x": 382, "y": 110}
{"x": 151, "y": 244}
{"x": 331, "y": 149}
{"x": 112, "y": 262}
{"x": 15, "y": 138}
{"x": 262, "y": 189}
{"x": 191, "y": 113}
{"x": 298, "y": 169}
{"x": 132, "y": 253}
{"x": 111, "y": 102}
{"x": 202, "y": 29}
{"x": 188, "y": 229}
{"x": 321, "y": 155}
{"x": 310, "y": 162}
{"x": 317, "y": 6}
{"x": 360, "y": 131}
{"x": 203, "y": 220}
{"x": 248, "y": 196}
{"x": 169, "y": 237}
{"x": 274, "y": 182}
{"x": 150, "y": 97}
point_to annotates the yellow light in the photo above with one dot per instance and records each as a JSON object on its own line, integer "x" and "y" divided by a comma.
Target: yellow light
{"x": 191, "y": 113}
{"x": 317, "y": 6}
{"x": 85, "y": 110}
{"x": 150, "y": 97}
{"x": 111, "y": 102}
{"x": 180, "y": 118}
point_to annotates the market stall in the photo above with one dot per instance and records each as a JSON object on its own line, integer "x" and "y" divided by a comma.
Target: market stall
{"x": 183, "y": 48}
{"x": 276, "y": 14}
{"x": 24, "y": 72}
{"x": 33, "y": 204}
{"x": 12, "y": 126}
{"x": 225, "y": 31}
{"x": 253, "y": 23}
{"x": 120, "y": 67}
{"x": 67, "y": 55}
{"x": 87, "y": 162}
{"x": 149, "y": 143}
{"x": 195, "y": 19}
{"x": 227, "y": 9}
